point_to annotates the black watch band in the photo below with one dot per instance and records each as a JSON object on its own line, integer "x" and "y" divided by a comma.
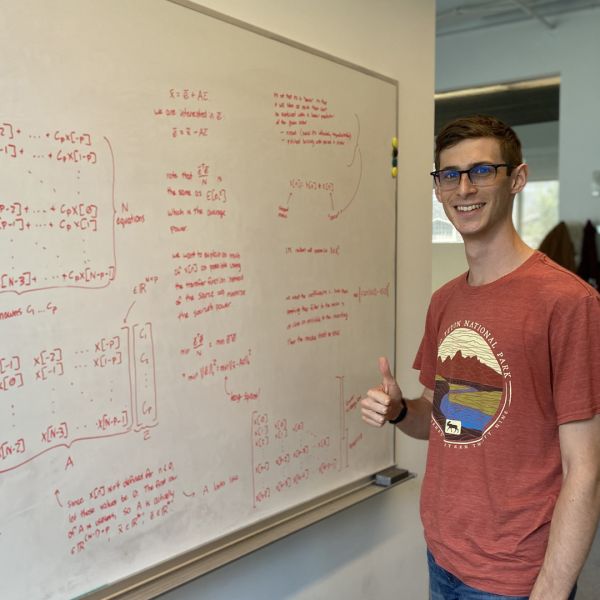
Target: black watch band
{"x": 402, "y": 413}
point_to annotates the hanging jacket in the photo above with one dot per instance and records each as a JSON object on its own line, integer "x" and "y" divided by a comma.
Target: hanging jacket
{"x": 558, "y": 246}
{"x": 589, "y": 269}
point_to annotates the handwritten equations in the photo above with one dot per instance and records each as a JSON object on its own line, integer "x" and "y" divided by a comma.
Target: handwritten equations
{"x": 197, "y": 279}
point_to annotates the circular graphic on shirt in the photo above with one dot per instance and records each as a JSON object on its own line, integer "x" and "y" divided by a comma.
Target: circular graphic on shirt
{"x": 469, "y": 393}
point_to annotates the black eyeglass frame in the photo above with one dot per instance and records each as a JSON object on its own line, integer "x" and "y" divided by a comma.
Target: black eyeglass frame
{"x": 436, "y": 174}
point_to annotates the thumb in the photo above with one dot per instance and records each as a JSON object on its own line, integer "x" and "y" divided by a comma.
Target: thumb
{"x": 386, "y": 373}
{"x": 389, "y": 382}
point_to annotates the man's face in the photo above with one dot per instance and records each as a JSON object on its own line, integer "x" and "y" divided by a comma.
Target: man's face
{"x": 478, "y": 212}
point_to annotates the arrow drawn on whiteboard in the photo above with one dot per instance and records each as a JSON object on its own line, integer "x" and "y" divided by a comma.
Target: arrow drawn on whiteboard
{"x": 357, "y": 152}
{"x": 355, "y": 163}
{"x": 357, "y": 138}
{"x": 334, "y": 215}
{"x": 56, "y": 493}
{"x": 128, "y": 311}
{"x": 238, "y": 397}
{"x": 189, "y": 494}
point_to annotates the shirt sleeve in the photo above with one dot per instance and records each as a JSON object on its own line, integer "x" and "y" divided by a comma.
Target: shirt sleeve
{"x": 426, "y": 359}
{"x": 575, "y": 356}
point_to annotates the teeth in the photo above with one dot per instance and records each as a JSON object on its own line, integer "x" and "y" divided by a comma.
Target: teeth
{"x": 468, "y": 208}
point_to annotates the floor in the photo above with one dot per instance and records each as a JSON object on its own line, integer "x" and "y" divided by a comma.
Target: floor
{"x": 588, "y": 587}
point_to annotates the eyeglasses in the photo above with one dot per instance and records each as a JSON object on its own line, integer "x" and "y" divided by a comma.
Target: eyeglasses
{"x": 479, "y": 175}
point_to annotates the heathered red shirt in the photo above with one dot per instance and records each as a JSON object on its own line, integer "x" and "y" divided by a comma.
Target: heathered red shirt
{"x": 508, "y": 362}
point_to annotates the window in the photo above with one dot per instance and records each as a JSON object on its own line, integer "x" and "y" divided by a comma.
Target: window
{"x": 535, "y": 211}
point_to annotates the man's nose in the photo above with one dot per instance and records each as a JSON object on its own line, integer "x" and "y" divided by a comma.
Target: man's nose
{"x": 464, "y": 184}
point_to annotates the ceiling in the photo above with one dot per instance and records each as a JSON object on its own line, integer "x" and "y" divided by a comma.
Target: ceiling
{"x": 516, "y": 104}
{"x": 455, "y": 16}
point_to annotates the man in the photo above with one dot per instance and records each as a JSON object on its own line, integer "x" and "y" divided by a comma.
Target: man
{"x": 510, "y": 361}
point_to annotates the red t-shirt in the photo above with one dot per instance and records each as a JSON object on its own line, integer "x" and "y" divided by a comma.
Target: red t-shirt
{"x": 508, "y": 362}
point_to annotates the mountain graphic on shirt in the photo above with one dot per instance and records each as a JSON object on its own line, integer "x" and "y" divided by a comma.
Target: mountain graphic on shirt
{"x": 469, "y": 387}
{"x": 470, "y": 368}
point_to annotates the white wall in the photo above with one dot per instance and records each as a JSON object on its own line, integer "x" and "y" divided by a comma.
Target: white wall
{"x": 528, "y": 50}
{"x": 375, "y": 549}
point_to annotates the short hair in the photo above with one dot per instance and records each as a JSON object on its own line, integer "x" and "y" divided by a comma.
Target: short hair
{"x": 478, "y": 126}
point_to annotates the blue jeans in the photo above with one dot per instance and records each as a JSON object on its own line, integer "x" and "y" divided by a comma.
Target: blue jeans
{"x": 445, "y": 586}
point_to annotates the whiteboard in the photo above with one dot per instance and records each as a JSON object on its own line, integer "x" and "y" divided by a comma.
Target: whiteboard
{"x": 197, "y": 226}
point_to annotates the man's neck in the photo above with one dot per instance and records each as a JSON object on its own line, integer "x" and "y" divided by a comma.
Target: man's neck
{"x": 489, "y": 261}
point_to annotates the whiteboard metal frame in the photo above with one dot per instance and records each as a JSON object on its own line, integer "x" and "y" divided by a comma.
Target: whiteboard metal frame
{"x": 185, "y": 567}
{"x": 278, "y": 38}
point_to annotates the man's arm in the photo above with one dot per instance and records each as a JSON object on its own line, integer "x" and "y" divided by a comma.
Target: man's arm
{"x": 576, "y": 512}
{"x": 385, "y": 402}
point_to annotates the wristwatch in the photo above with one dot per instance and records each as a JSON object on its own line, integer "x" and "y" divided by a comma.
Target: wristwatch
{"x": 401, "y": 414}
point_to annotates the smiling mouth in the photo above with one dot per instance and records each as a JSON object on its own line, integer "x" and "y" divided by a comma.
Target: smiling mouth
{"x": 469, "y": 207}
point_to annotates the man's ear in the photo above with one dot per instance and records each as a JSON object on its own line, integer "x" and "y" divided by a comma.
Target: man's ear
{"x": 437, "y": 193}
{"x": 519, "y": 178}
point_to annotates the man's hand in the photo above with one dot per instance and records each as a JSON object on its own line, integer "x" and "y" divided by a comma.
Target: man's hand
{"x": 383, "y": 402}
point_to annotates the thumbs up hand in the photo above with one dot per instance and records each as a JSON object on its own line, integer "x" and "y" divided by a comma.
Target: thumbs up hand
{"x": 383, "y": 402}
